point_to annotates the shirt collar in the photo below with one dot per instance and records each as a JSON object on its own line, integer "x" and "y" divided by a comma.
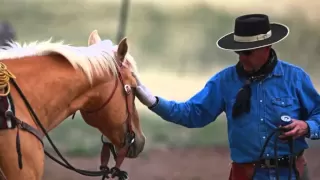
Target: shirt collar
{"x": 278, "y": 70}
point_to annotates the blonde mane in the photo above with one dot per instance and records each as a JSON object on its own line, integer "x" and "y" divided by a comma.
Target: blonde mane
{"x": 98, "y": 58}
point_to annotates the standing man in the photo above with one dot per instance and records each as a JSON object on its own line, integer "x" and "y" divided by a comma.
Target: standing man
{"x": 256, "y": 94}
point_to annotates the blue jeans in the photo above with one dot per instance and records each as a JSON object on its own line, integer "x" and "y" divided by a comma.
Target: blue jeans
{"x": 270, "y": 174}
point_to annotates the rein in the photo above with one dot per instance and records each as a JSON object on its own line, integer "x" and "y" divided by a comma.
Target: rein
{"x": 6, "y": 77}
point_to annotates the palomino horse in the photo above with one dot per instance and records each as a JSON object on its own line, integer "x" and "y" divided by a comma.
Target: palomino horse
{"x": 44, "y": 83}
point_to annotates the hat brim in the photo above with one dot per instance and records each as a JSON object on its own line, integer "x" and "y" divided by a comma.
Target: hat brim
{"x": 279, "y": 32}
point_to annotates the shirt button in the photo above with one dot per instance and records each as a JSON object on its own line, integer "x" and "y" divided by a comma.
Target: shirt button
{"x": 261, "y": 119}
{"x": 282, "y": 102}
{"x": 267, "y": 154}
{"x": 263, "y": 137}
{"x": 261, "y": 101}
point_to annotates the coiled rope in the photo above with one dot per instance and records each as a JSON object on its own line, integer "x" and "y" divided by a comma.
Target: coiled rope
{"x": 5, "y": 76}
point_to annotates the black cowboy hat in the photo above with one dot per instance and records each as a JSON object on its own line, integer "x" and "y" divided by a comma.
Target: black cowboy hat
{"x": 253, "y": 31}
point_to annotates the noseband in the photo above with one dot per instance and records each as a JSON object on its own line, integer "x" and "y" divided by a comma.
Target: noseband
{"x": 129, "y": 138}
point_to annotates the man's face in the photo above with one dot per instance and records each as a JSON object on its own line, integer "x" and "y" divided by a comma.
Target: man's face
{"x": 253, "y": 59}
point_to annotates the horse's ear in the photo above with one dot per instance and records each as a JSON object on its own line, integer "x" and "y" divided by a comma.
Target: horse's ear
{"x": 122, "y": 49}
{"x": 94, "y": 38}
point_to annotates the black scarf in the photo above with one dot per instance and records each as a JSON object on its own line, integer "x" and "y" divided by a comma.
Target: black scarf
{"x": 242, "y": 103}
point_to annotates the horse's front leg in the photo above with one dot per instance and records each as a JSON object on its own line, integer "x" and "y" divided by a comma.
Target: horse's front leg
{"x": 32, "y": 156}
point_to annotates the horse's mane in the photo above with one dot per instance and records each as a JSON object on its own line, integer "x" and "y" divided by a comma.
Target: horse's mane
{"x": 98, "y": 58}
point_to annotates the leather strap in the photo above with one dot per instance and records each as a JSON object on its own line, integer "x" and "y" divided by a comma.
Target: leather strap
{"x": 24, "y": 126}
{"x": 32, "y": 130}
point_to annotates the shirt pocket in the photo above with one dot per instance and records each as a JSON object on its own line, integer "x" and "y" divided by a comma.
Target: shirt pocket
{"x": 282, "y": 102}
{"x": 282, "y": 106}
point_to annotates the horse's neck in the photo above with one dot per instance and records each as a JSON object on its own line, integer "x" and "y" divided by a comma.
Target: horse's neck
{"x": 51, "y": 86}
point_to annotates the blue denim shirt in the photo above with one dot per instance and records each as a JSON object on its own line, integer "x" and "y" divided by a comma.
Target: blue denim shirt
{"x": 287, "y": 90}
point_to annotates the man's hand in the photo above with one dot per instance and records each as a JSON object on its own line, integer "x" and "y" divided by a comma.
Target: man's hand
{"x": 144, "y": 94}
{"x": 296, "y": 129}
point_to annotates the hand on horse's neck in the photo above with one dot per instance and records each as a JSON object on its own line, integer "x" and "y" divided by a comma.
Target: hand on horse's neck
{"x": 52, "y": 86}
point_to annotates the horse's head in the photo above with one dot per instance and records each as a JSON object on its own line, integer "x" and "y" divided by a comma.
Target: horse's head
{"x": 111, "y": 106}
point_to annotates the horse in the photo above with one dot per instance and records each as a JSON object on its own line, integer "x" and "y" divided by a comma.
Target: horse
{"x": 43, "y": 83}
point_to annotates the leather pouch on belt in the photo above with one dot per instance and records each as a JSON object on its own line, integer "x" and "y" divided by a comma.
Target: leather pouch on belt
{"x": 241, "y": 171}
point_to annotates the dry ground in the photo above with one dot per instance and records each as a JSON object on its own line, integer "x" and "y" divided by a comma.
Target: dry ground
{"x": 171, "y": 164}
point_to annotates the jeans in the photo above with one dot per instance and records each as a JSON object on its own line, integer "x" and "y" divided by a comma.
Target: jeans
{"x": 270, "y": 174}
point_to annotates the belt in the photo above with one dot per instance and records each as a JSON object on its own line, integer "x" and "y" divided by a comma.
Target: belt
{"x": 283, "y": 161}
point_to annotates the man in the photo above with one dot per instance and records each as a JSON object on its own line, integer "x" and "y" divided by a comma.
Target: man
{"x": 257, "y": 95}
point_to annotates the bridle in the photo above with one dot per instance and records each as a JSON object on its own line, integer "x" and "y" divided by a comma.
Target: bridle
{"x": 129, "y": 137}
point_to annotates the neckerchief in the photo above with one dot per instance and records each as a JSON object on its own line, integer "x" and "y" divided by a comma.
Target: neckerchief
{"x": 242, "y": 103}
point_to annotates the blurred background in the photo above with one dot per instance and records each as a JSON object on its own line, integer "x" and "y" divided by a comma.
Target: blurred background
{"x": 173, "y": 43}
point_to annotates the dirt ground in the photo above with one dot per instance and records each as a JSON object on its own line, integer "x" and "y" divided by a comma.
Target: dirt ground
{"x": 170, "y": 164}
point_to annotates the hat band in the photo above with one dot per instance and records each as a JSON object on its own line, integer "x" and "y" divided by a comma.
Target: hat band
{"x": 255, "y": 38}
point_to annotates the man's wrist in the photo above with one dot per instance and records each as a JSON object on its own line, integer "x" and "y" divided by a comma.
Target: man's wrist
{"x": 155, "y": 103}
{"x": 308, "y": 131}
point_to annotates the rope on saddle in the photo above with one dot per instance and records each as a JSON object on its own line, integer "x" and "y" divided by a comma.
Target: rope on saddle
{"x": 5, "y": 76}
